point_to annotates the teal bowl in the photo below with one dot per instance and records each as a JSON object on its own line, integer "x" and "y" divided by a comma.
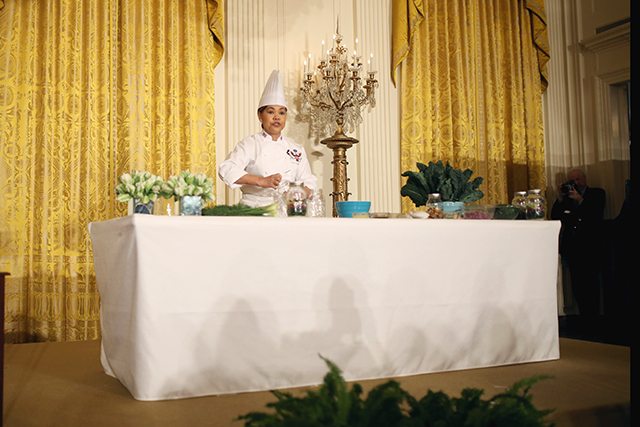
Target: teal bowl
{"x": 452, "y": 210}
{"x": 347, "y": 208}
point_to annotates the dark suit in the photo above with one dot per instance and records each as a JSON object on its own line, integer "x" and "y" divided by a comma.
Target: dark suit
{"x": 581, "y": 245}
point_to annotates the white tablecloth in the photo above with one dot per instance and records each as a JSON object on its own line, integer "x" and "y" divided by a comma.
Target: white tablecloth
{"x": 196, "y": 306}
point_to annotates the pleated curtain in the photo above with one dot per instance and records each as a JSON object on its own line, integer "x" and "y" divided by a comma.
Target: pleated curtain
{"x": 89, "y": 90}
{"x": 471, "y": 76}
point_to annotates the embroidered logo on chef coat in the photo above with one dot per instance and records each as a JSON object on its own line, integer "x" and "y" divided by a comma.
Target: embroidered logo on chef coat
{"x": 295, "y": 154}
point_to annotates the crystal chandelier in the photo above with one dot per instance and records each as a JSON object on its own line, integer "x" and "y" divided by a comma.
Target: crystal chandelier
{"x": 334, "y": 95}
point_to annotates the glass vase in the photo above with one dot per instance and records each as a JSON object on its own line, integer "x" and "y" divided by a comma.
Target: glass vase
{"x": 136, "y": 206}
{"x": 190, "y": 205}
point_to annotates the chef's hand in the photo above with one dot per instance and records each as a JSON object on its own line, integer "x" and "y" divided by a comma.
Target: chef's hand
{"x": 271, "y": 181}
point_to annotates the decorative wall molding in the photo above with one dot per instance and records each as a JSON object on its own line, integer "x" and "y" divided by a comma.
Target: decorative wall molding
{"x": 617, "y": 76}
{"x": 615, "y": 37}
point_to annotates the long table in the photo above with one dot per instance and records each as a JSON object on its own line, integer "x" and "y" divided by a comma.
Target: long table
{"x": 194, "y": 306}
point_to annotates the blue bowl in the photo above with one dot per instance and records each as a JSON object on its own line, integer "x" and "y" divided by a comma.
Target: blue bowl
{"x": 347, "y": 208}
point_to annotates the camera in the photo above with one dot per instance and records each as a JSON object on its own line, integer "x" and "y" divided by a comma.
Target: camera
{"x": 566, "y": 187}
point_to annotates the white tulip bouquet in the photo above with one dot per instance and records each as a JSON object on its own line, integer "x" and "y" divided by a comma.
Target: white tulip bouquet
{"x": 188, "y": 184}
{"x": 142, "y": 186}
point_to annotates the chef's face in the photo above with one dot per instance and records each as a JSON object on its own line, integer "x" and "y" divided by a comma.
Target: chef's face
{"x": 273, "y": 119}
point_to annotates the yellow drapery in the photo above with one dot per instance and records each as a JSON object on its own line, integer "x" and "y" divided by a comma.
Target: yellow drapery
{"x": 472, "y": 75}
{"x": 90, "y": 90}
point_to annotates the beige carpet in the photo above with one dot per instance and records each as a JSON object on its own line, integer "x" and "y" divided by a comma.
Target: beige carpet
{"x": 62, "y": 384}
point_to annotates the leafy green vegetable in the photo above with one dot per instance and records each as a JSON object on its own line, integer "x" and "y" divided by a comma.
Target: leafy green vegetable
{"x": 388, "y": 405}
{"x": 452, "y": 184}
{"x": 240, "y": 210}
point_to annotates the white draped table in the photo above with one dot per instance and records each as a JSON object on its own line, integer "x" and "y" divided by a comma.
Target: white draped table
{"x": 194, "y": 306}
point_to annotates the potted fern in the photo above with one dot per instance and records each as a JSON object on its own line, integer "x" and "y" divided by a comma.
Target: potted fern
{"x": 389, "y": 405}
{"x": 454, "y": 185}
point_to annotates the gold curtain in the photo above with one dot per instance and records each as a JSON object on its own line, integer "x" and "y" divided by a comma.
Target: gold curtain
{"x": 90, "y": 90}
{"x": 471, "y": 88}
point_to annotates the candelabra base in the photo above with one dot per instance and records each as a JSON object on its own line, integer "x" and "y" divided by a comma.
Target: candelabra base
{"x": 339, "y": 143}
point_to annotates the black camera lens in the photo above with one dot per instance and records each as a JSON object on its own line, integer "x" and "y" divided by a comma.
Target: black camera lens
{"x": 567, "y": 187}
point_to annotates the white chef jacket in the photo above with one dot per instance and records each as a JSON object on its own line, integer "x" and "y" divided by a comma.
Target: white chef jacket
{"x": 260, "y": 155}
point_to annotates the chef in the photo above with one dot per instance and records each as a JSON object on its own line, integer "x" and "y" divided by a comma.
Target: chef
{"x": 262, "y": 161}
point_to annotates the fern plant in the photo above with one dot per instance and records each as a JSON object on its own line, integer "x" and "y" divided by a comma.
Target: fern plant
{"x": 453, "y": 184}
{"x": 333, "y": 404}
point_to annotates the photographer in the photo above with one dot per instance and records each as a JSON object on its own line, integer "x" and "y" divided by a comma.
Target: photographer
{"x": 580, "y": 208}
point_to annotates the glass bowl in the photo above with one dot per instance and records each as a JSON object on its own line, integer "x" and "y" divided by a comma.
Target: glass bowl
{"x": 506, "y": 212}
{"x": 479, "y": 211}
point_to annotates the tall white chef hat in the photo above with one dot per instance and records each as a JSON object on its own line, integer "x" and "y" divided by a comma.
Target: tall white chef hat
{"x": 273, "y": 93}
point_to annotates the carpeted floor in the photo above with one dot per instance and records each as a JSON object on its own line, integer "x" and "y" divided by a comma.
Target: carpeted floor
{"x": 62, "y": 384}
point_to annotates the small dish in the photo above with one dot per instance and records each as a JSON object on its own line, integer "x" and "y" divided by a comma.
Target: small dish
{"x": 359, "y": 215}
{"x": 379, "y": 215}
{"x": 419, "y": 214}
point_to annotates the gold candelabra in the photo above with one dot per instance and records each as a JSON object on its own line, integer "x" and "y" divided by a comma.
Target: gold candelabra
{"x": 333, "y": 96}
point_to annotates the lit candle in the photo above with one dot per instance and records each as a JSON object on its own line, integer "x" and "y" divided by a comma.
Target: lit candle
{"x": 322, "y": 51}
{"x": 309, "y": 63}
{"x": 304, "y": 67}
{"x": 355, "y": 59}
{"x": 371, "y": 62}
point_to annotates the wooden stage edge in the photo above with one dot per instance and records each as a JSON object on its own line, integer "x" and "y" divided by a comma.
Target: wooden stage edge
{"x": 63, "y": 384}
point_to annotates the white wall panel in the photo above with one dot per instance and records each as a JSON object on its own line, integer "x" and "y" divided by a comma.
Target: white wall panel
{"x": 379, "y": 147}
